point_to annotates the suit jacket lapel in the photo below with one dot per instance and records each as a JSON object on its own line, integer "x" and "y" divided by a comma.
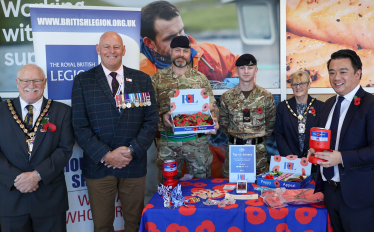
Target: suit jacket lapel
{"x": 293, "y": 119}
{"x": 351, "y": 111}
{"x": 309, "y": 119}
{"x": 104, "y": 85}
{"x": 39, "y": 136}
{"x": 127, "y": 80}
{"x": 20, "y": 134}
{"x": 325, "y": 114}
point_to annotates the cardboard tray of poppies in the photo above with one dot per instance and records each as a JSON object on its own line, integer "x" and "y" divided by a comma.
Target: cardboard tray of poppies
{"x": 190, "y": 111}
{"x": 288, "y": 164}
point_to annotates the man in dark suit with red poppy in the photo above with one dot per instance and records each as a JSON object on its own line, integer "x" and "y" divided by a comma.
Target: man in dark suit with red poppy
{"x": 347, "y": 174}
{"x": 33, "y": 194}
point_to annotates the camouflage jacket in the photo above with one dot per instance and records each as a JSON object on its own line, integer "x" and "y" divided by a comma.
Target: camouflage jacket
{"x": 166, "y": 81}
{"x": 260, "y": 102}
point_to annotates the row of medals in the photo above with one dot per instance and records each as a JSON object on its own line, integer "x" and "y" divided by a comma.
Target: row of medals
{"x": 136, "y": 104}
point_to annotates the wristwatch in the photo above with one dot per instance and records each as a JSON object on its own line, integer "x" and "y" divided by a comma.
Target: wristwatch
{"x": 133, "y": 154}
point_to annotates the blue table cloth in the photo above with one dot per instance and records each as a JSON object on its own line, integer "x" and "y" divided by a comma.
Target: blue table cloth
{"x": 244, "y": 215}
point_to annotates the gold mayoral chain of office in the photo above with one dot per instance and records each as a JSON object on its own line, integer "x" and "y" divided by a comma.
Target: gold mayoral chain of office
{"x": 30, "y": 135}
{"x": 300, "y": 116}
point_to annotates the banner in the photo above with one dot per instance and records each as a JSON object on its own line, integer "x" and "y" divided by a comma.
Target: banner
{"x": 65, "y": 39}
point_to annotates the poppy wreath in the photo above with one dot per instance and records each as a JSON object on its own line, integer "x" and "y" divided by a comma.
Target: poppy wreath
{"x": 198, "y": 119}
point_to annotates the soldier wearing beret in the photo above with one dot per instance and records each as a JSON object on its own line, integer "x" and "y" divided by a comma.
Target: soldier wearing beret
{"x": 190, "y": 148}
{"x": 247, "y": 114}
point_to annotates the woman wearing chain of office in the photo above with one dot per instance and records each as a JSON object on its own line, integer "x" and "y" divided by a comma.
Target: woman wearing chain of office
{"x": 295, "y": 117}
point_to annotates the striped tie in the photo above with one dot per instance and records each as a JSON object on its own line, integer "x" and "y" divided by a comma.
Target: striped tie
{"x": 29, "y": 117}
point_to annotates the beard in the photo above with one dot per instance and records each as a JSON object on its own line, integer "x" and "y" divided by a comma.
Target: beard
{"x": 180, "y": 65}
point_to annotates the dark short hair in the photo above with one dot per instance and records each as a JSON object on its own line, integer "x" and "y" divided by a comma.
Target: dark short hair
{"x": 347, "y": 53}
{"x": 151, "y": 12}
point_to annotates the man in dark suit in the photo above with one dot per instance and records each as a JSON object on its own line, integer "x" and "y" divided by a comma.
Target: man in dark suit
{"x": 347, "y": 174}
{"x": 33, "y": 189}
{"x": 114, "y": 140}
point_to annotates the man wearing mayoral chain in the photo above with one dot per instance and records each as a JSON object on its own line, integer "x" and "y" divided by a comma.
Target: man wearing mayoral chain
{"x": 36, "y": 142}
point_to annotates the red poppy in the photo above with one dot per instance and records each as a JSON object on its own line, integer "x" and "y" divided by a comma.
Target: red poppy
{"x": 255, "y": 215}
{"x": 205, "y": 107}
{"x": 304, "y": 215}
{"x": 183, "y": 184}
{"x": 195, "y": 128}
{"x": 176, "y": 92}
{"x": 303, "y": 172}
{"x": 313, "y": 111}
{"x": 275, "y": 168}
{"x": 187, "y": 211}
{"x": 203, "y": 94}
{"x": 357, "y": 101}
{"x": 172, "y": 106}
{"x": 259, "y": 110}
{"x": 277, "y": 158}
{"x": 291, "y": 157}
{"x": 234, "y": 229}
{"x": 304, "y": 162}
{"x": 49, "y": 127}
{"x": 277, "y": 184}
{"x": 217, "y": 180}
{"x": 278, "y": 213}
{"x": 282, "y": 227}
{"x": 174, "y": 227}
{"x": 150, "y": 226}
{"x": 148, "y": 206}
{"x": 206, "y": 226}
{"x": 199, "y": 184}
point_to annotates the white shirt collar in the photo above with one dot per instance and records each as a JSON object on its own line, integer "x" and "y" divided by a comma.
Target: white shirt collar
{"x": 36, "y": 105}
{"x": 349, "y": 96}
{"x": 107, "y": 71}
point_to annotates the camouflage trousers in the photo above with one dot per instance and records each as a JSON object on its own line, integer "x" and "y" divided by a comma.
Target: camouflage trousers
{"x": 195, "y": 153}
{"x": 262, "y": 163}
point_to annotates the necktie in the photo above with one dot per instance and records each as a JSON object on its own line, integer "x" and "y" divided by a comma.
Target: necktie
{"x": 329, "y": 172}
{"x": 29, "y": 117}
{"x": 115, "y": 83}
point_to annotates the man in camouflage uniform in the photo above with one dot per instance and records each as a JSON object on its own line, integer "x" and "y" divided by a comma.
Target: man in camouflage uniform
{"x": 247, "y": 114}
{"x": 190, "y": 148}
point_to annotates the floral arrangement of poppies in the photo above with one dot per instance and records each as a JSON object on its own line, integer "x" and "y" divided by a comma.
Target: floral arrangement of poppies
{"x": 198, "y": 119}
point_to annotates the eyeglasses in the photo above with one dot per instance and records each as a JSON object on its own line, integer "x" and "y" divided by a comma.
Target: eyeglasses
{"x": 27, "y": 82}
{"x": 301, "y": 84}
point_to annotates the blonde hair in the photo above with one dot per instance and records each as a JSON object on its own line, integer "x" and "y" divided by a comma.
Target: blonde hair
{"x": 300, "y": 76}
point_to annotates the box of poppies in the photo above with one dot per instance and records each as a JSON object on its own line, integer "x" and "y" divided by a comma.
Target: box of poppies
{"x": 289, "y": 172}
{"x": 191, "y": 114}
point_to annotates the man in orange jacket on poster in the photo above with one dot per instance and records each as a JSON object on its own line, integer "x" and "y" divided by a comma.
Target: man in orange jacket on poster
{"x": 161, "y": 22}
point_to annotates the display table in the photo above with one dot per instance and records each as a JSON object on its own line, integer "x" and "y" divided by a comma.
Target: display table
{"x": 245, "y": 215}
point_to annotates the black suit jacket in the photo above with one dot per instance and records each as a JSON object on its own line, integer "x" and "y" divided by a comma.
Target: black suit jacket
{"x": 99, "y": 126}
{"x": 356, "y": 145}
{"x": 286, "y": 128}
{"x": 51, "y": 152}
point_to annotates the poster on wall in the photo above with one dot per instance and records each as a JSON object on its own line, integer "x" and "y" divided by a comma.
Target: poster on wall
{"x": 65, "y": 41}
{"x": 316, "y": 29}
